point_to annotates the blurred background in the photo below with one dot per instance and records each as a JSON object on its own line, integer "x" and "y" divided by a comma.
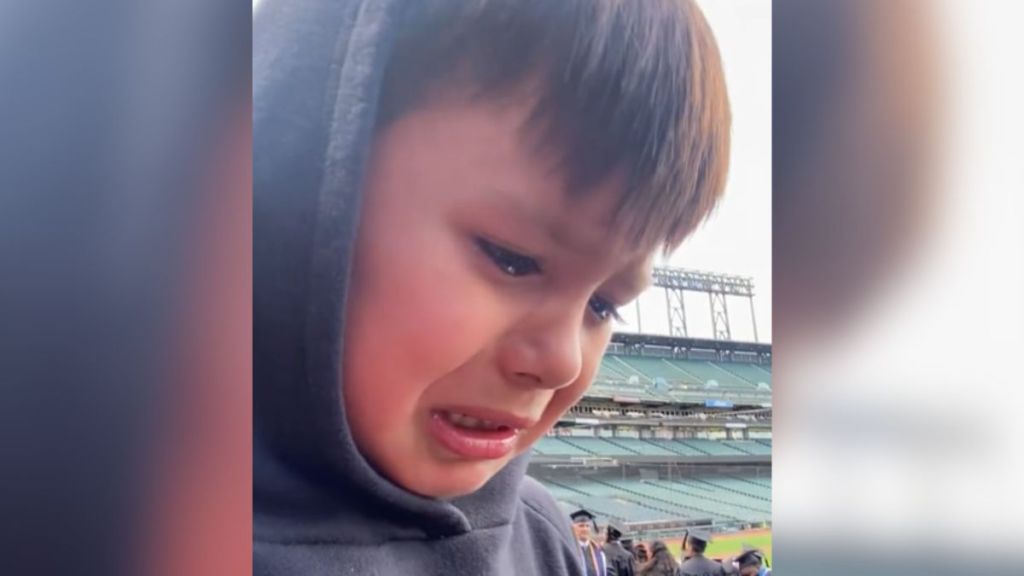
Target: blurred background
{"x": 125, "y": 286}
{"x": 898, "y": 279}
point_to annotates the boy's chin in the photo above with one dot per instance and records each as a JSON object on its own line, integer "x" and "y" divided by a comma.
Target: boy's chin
{"x": 450, "y": 481}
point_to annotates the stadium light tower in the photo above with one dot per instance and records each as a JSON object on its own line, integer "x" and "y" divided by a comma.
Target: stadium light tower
{"x": 676, "y": 281}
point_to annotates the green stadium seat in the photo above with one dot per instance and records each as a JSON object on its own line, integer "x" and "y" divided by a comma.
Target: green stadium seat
{"x": 719, "y": 497}
{"x": 713, "y": 447}
{"x": 752, "y": 373}
{"x": 749, "y": 447}
{"x": 704, "y": 372}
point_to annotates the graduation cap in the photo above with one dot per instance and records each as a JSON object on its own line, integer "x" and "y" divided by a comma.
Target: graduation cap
{"x": 583, "y": 515}
{"x": 698, "y": 533}
{"x": 614, "y": 531}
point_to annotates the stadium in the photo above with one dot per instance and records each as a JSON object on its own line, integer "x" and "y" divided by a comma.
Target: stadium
{"x": 675, "y": 432}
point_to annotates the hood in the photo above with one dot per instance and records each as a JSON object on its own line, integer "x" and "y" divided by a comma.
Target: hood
{"x": 317, "y": 70}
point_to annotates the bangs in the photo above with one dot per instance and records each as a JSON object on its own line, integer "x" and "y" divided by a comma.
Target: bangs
{"x": 620, "y": 86}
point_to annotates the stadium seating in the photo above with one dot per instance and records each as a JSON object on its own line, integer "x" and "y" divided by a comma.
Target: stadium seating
{"x": 677, "y": 498}
{"x": 645, "y": 447}
{"x": 615, "y": 447}
{"x": 714, "y": 447}
{"x": 605, "y": 503}
{"x": 750, "y": 372}
{"x": 611, "y": 381}
{"x": 739, "y": 486}
{"x": 652, "y": 368}
{"x": 705, "y": 372}
{"x": 551, "y": 446}
{"x": 722, "y": 502}
{"x": 594, "y": 446}
{"x": 715, "y": 493}
{"x": 684, "y": 380}
{"x": 636, "y": 480}
{"x": 749, "y": 447}
{"x": 761, "y": 482}
{"x": 722, "y": 498}
{"x": 684, "y": 449}
{"x": 608, "y": 371}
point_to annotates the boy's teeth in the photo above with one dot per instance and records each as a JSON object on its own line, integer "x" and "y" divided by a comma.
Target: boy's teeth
{"x": 470, "y": 422}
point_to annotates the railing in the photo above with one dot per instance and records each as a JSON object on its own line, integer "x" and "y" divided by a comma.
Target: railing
{"x": 649, "y": 531}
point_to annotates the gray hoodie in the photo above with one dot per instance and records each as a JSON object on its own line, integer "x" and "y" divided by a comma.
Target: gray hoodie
{"x": 318, "y": 507}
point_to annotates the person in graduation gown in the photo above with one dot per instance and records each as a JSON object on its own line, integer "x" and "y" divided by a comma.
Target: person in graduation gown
{"x": 620, "y": 560}
{"x": 585, "y": 527}
{"x": 697, "y": 564}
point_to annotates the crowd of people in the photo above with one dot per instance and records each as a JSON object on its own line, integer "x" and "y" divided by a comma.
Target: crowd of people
{"x": 618, "y": 556}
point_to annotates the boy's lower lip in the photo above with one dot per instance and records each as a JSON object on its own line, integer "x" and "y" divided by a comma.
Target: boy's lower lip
{"x": 470, "y": 443}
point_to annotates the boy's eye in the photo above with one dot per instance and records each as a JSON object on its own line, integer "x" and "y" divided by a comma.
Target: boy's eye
{"x": 516, "y": 265}
{"x": 509, "y": 262}
{"x": 604, "y": 310}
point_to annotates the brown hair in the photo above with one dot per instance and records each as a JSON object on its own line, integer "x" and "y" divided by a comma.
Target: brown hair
{"x": 623, "y": 85}
{"x": 660, "y": 563}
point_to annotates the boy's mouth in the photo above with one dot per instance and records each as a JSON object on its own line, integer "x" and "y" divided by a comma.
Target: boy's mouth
{"x": 464, "y": 421}
{"x": 477, "y": 435}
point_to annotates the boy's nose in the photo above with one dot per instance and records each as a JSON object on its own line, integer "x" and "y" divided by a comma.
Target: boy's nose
{"x": 545, "y": 351}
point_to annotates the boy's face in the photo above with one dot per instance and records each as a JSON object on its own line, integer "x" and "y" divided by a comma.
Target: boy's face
{"x": 481, "y": 299}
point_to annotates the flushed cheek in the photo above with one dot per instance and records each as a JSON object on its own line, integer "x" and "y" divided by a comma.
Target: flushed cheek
{"x": 380, "y": 408}
{"x": 443, "y": 317}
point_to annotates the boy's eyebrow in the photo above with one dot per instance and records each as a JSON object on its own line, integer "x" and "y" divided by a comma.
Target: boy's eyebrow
{"x": 630, "y": 281}
{"x": 540, "y": 220}
{"x": 534, "y": 217}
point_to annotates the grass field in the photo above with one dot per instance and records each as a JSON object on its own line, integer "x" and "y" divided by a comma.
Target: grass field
{"x": 730, "y": 544}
